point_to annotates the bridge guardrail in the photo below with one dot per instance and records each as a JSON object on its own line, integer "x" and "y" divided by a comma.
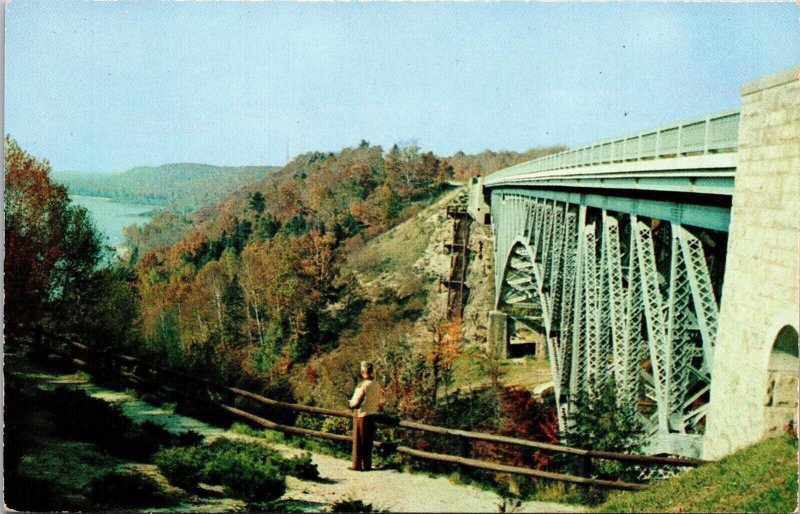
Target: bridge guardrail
{"x": 103, "y": 358}
{"x": 715, "y": 133}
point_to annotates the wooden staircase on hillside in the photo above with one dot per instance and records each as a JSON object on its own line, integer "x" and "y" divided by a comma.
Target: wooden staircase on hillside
{"x": 458, "y": 248}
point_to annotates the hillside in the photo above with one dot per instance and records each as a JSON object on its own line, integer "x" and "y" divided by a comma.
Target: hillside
{"x": 398, "y": 273}
{"x": 285, "y": 283}
{"x": 411, "y": 256}
{"x": 761, "y": 478}
{"x": 181, "y": 187}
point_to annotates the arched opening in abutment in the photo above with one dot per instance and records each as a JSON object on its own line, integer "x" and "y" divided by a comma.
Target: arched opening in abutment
{"x": 782, "y": 379}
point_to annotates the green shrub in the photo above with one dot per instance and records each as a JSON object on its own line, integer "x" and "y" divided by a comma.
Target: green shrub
{"x": 254, "y": 452}
{"x": 337, "y": 425}
{"x": 247, "y": 471}
{"x": 301, "y": 466}
{"x": 183, "y": 467}
{"x": 245, "y": 478}
{"x": 241, "y": 428}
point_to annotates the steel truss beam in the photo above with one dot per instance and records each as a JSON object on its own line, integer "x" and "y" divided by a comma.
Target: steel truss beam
{"x": 695, "y": 215}
{"x": 610, "y": 310}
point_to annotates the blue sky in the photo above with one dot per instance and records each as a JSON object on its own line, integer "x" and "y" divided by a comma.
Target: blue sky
{"x": 104, "y": 86}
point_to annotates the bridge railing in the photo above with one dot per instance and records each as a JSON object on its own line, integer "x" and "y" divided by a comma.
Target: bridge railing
{"x": 715, "y": 133}
{"x": 139, "y": 371}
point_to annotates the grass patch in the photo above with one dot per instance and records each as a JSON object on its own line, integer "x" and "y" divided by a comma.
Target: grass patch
{"x": 128, "y": 489}
{"x": 399, "y": 248}
{"x": 468, "y": 372}
{"x": 55, "y": 475}
{"x": 761, "y": 478}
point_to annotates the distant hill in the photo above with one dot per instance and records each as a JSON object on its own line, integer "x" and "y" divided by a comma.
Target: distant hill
{"x": 181, "y": 187}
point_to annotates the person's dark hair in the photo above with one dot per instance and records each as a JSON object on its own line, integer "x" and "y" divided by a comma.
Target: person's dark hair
{"x": 366, "y": 367}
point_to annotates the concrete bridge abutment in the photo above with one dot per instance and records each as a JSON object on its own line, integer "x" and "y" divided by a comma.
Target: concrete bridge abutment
{"x": 498, "y": 334}
{"x": 755, "y": 372}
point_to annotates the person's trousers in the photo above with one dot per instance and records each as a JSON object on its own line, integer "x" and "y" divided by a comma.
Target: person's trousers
{"x": 363, "y": 436}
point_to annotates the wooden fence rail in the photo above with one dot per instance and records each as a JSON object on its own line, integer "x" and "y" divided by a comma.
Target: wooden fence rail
{"x": 464, "y": 436}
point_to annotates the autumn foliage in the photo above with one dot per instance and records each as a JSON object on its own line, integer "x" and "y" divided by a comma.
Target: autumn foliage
{"x": 524, "y": 416}
{"x": 35, "y": 228}
{"x": 255, "y": 281}
{"x": 54, "y": 281}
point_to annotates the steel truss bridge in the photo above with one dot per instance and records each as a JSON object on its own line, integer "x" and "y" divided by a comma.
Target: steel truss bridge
{"x": 614, "y": 252}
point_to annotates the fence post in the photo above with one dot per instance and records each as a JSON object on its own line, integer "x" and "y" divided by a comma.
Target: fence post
{"x": 587, "y": 472}
{"x": 105, "y": 364}
{"x": 464, "y": 451}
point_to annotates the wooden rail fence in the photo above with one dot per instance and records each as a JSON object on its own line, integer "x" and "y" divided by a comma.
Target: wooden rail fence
{"x": 93, "y": 359}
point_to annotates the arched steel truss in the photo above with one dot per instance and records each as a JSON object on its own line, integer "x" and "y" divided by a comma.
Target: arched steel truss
{"x": 608, "y": 309}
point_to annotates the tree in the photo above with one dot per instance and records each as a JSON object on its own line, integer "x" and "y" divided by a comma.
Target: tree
{"x": 51, "y": 248}
{"x": 213, "y": 280}
{"x": 257, "y": 202}
{"x": 268, "y": 226}
{"x": 234, "y": 313}
{"x": 297, "y": 225}
{"x": 488, "y": 361}
{"x": 33, "y": 210}
{"x": 55, "y": 276}
{"x": 74, "y": 279}
{"x": 598, "y": 421}
{"x": 446, "y": 345}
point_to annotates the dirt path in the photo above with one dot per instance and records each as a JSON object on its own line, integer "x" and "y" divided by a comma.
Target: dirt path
{"x": 385, "y": 489}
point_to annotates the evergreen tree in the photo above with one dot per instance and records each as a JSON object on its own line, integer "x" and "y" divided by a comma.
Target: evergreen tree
{"x": 235, "y": 314}
{"x": 296, "y": 226}
{"x": 268, "y": 226}
{"x": 257, "y": 202}
{"x": 599, "y": 422}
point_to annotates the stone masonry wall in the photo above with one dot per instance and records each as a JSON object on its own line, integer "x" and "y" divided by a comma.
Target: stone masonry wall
{"x": 498, "y": 333}
{"x": 761, "y": 285}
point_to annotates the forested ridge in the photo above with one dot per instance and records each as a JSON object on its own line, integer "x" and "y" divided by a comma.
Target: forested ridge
{"x": 254, "y": 288}
{"x": 180, "y": 187}
{"x": 250, "y": 289}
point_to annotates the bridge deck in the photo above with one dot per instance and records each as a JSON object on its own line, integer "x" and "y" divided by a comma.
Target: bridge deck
{"x": 696, "y": 156}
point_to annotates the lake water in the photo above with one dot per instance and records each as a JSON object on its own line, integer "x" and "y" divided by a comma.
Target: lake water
{"x": 111, "y": 217}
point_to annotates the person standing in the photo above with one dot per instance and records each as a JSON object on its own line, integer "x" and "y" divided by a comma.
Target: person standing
{"x": 365, "y": 403}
